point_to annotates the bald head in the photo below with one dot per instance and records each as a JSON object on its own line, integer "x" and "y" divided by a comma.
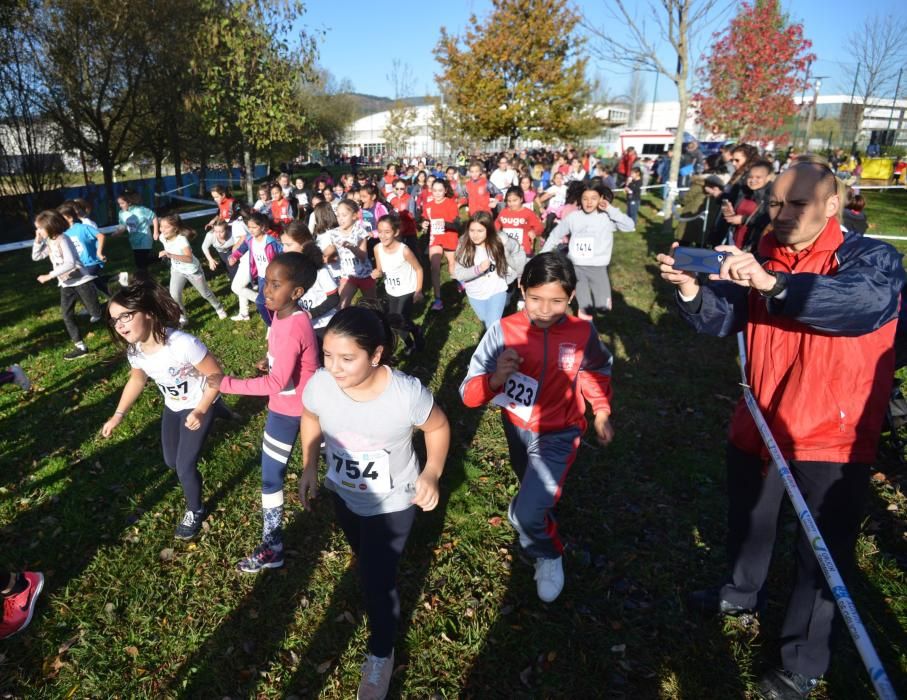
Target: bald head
{"x": 803, "y": 199}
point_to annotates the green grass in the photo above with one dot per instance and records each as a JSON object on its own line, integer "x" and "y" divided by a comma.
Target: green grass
{"x": 128, "y": 612}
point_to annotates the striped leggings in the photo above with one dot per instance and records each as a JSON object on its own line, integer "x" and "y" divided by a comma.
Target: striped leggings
{"x": 276, "y": 446}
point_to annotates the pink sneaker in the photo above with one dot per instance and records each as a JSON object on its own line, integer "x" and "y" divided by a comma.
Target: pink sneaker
{"x": 18, "y": 609}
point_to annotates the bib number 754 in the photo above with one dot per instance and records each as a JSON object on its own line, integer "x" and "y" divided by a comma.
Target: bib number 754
{"x": 359, "y": 471}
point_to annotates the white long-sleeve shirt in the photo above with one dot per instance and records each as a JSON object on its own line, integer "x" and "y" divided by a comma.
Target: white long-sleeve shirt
{"x": 591, "y": 235}
{"x": 67, "y": 269}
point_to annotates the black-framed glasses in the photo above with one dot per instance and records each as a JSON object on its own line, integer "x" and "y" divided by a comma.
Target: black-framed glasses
{"x": 122, "y": 318}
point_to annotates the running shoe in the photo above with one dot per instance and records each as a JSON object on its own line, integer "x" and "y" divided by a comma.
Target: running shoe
{"x": 221, "y": 314}
{"x": 376, "y": 677}
{"x": 437, "y": 305}
{"x": 190, "y": 525}
{"x": 123, "y": 279}
{"x": 76, "y": 353}
{"x": 18, "y": 609}
{"x": 240, "y": 317}
{"x": 549, "y": 578}
{"x": 781, "y": 684}
{"x": 20, "y": 379}
{"x": 183, "y": 321}
{"x": 262, "y": 558}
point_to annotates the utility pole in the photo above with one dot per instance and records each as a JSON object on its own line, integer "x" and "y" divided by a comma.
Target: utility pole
{"x": 856, "y": 125}
{"x": 897, "y": 90}
{"x": 812, "y": 110}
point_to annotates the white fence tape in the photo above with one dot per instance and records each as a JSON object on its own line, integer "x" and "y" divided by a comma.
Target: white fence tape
{"x": 19, "y": 245}
{"x": 867, "y": 651}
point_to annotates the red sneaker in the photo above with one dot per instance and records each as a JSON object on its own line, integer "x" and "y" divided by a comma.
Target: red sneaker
{"x": 18, "y": 609}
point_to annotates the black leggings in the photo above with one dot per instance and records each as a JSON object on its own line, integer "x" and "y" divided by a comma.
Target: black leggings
{"x": 378, "y": 541}
{"x": 403, "y": 307}
{"x": 182, "y": 447}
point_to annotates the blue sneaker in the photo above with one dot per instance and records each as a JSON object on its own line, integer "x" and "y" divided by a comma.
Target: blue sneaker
{"x": 262, "y": 558}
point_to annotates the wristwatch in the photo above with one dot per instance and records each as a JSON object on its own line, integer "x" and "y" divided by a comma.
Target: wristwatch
{"x": 780, "y": 285}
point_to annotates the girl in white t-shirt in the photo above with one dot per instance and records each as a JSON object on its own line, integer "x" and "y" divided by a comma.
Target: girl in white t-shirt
{"x": 366, "y": 412}
{"x": 184, "y": 266}
{"x": 350, "y": 242}
{"x": 485, "y": 265}
{"x": 322, "y": 299}
{"x": 403, "y": 276}
{"x": 142, "y": 319}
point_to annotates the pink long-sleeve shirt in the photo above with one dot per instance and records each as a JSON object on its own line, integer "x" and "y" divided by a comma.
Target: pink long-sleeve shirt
{"x": 292, "y": 360}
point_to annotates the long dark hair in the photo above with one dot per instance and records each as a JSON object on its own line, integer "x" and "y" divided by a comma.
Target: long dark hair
{"x": 368, "y": 326}
{"x": 466, "y": 249}
{"x": 150, "y": 298}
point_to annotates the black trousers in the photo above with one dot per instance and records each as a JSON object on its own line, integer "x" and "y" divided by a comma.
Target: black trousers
{"x": 835, "y": 494}
{"x": 403, "y": 307}
{"x": 88, "y": 294}
{"x": 378, "y": 541}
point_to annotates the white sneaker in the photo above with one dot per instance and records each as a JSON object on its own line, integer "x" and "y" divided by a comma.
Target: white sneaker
{"x": 549, "y": 578}
{"x": 183, "y": 321}
{"x": 240, "y": 317}
{"x": 376, "y": 677}
{"x": 659, "y": 213}
{"x": 221, "y": 314}
{"x": 20, "y": 379}
{"x": 123, "y": 279}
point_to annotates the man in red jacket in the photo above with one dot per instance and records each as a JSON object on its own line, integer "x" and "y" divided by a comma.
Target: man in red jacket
{"x": 819, "y": 309}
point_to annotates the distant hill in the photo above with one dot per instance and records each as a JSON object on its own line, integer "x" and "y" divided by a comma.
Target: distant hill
{"x": 371, "y": 104}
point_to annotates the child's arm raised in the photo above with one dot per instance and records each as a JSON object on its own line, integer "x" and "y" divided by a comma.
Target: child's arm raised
{"x": 208, "y": 366}
{"x": 131, "y": 393}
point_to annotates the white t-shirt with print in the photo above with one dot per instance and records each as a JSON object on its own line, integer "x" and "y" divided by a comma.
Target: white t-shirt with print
{"x": 172, "y": 368}
{"x": 316, "y": 295}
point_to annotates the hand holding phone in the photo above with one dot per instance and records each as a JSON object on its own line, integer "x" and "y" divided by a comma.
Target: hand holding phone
{"x": 703, "y": 260}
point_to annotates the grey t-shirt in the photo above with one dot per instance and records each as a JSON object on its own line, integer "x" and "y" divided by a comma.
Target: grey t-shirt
{"x": 370, "y": 459}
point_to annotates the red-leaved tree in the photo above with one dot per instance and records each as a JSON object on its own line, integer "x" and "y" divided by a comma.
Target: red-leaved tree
{"x": 756, "y": 67}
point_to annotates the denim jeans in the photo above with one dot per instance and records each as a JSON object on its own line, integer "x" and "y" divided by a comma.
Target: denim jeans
{"x": 489, "y": 310}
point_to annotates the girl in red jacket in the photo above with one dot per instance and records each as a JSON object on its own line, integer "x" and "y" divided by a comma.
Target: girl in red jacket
{"x": 441, "y": 219}
{"x": 282, "y": 213}
{"x": 541, "y": 366}
{"x": 518, "y": 221}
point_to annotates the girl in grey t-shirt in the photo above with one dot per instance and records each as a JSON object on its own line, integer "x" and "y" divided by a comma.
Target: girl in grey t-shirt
{"x": 365, "y": 411}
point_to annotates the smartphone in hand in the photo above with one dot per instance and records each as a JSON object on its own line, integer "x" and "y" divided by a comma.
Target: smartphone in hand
{"x": 703, "y": 260}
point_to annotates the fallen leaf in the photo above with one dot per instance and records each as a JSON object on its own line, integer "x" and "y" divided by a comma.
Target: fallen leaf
{"x": 524, "y": 676}
{"x": 65, "y": 646}
{"x": 132, "y": 651}
{"x": 552, "y": 655}
{"x": 495, "y": 521}
{"x": 322, "y": 668}
{"x": 166, "y": 554}
{"x": 880, "y": 477}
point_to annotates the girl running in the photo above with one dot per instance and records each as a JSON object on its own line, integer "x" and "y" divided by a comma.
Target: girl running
{"x": 281, "y": 211}
{"x": 75, "y": 282}
{"x": 541, "y": 366}
{"x": 292, "y": 359}
{"x": 485, "y": 265}
{"x": 442, "y": 221}
{"x": 518, "y": 221}
{"x": 141, "y": 224}
{"x": 262, "y": 248}
{"x": 143, "y": 319}
{"x": 405, "y": 206}
{"x": 227, "y": 207}
{"x": 402, "y": 274}
{"x": 350, "y": 243}
{"x": 322, "y": 299}
{"x": 89, "y": 243}
{"x": 365, "y": 412}
{"x": 219, "y": 237}
{"x": 241, "y": 272}
{"x": 591, "y": 237}
{"x": 184, "y": 266}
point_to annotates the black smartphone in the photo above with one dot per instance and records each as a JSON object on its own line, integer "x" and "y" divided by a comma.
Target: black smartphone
{"x": 703, "y": 260}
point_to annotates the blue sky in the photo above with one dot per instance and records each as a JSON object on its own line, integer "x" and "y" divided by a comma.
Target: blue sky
{"x": 363, "y": 37}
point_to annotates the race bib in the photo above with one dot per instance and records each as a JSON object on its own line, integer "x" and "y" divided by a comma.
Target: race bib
{"x": 583, "y": 247}
{"x": 175, "y": 392}
{"x": 437, "y": 227}
{"x": 518, "y": 395}
{"x": 393, "y": 283}
{"x": 359, "y": 471}
{"x": 515, "y": 233}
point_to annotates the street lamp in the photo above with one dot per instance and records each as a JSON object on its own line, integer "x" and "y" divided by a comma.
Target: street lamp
{"x": 812, "y": 109}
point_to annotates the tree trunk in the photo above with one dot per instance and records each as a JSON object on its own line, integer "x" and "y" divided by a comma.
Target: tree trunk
{"x": 159, "y": 172}
{"x": 84, "y": 167}
{"x": 107, "y": 168}
{"x": 229, "y": 163}
{"x": 177, "y": 151}
{"x": 250, "y": 173}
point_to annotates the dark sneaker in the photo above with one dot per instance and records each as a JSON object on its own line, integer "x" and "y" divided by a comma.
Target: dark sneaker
{"x": 20, "y": 379}
{"x": 781, "y": 684}
{"x": 708, "y": 602}
{"x": 18, "y": 609}
{"x": 262, "y": 558}
{"x": 75, "y": 354}
{"x": 190, "y": 525}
